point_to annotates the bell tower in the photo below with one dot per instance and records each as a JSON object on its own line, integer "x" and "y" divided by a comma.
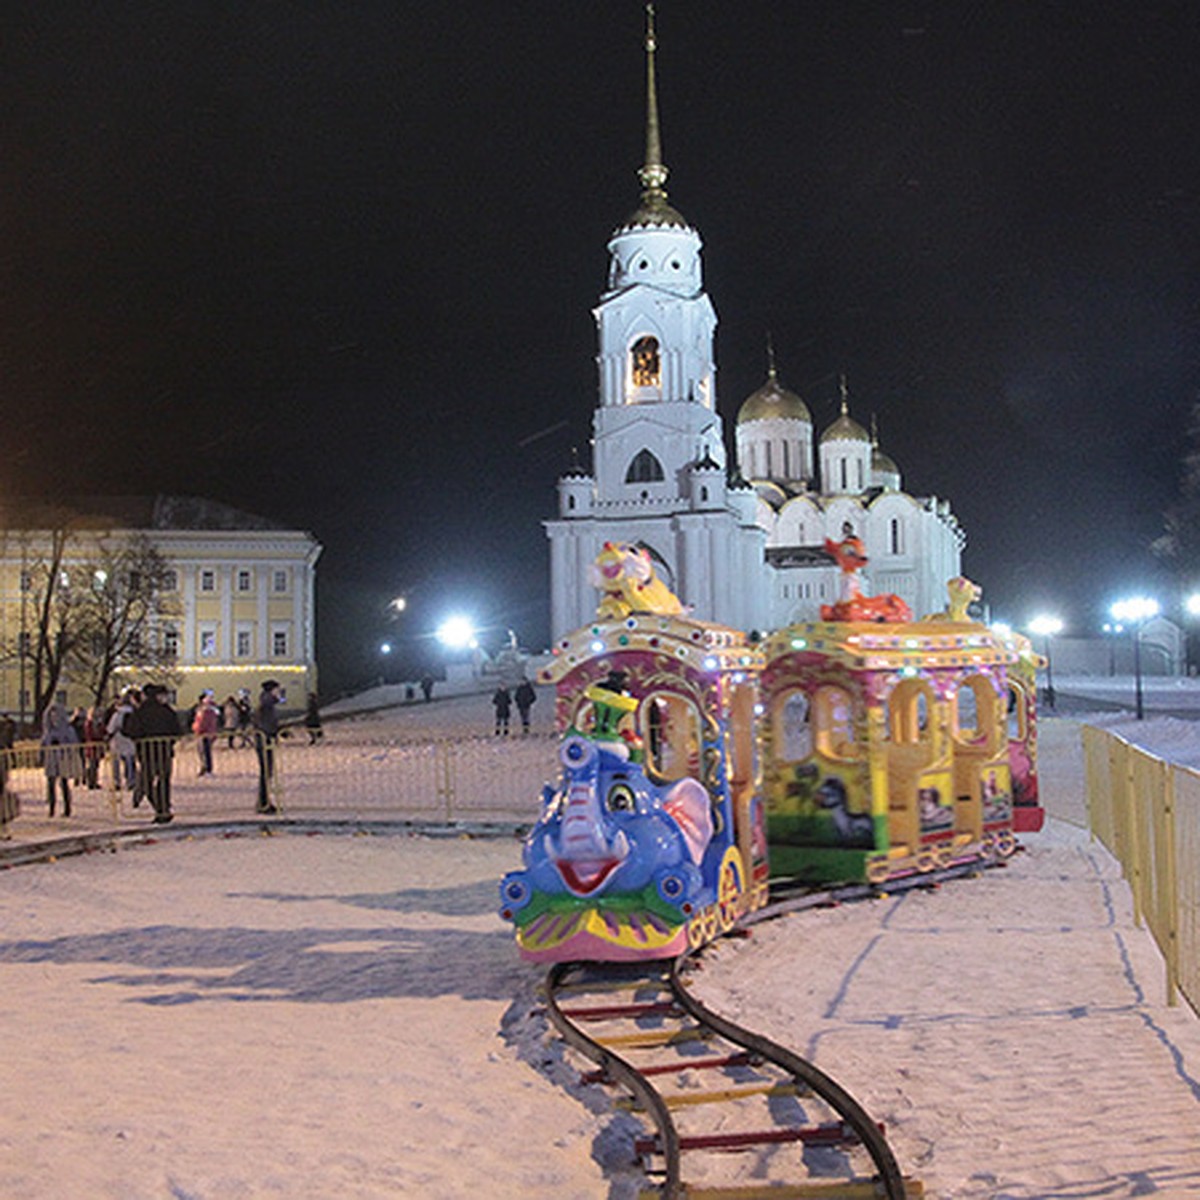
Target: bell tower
{"x": 658, "y": 449}
{"x": 655, "y": 326}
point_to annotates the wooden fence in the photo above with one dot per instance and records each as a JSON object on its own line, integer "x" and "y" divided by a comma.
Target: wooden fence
{"x": 1147, "y": 812}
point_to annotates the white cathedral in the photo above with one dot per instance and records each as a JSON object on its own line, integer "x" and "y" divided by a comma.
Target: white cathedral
{"x": 746, "y": 554}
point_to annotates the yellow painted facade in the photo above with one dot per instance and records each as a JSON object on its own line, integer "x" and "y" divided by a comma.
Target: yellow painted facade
{"x": 238, "y": 607}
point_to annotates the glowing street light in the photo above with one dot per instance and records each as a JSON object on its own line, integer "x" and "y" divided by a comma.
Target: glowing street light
{"x": 1047, "y": 626}
{"x": 1135, "y": 612}
{"x": 457, "y": 633}
{"x": 398, "y": 604}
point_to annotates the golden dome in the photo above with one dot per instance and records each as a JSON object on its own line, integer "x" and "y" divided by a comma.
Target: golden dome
{"x": 845, "y": 429}
{"x": 773, "y": 401}
{"x": 883, "y": 463}
{"x": 654, "y": 213}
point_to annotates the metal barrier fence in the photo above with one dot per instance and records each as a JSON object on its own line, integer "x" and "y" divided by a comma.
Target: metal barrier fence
{"x": 1147, "y": 812}
{"x": 447, "y": 777}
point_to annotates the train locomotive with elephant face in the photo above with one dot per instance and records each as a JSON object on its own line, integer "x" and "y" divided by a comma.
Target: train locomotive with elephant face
{"x": 697, "y": 765}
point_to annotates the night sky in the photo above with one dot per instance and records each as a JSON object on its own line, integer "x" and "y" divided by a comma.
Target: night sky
{"x": 335, "y": 263}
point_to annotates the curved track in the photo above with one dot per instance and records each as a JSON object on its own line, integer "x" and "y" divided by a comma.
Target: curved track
{"x": 711, "y": 1087}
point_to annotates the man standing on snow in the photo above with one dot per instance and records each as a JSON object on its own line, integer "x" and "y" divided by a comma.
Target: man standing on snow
{"x": 154, "y": 727}
{"x": 266, "y": 740}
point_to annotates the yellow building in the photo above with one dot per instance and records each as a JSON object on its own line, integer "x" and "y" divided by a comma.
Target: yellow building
{"x": 235, "y": 605}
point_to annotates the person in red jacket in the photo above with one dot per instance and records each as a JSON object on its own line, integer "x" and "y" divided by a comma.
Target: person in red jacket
{"x": 206, "y": 724}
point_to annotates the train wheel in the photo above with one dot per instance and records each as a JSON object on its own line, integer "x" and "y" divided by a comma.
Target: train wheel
{"x": 731, "y": 888}
{"x": 927, "y": 861}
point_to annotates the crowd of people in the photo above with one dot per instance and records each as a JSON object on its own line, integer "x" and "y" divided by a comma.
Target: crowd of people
{"x": 138, "y": 732}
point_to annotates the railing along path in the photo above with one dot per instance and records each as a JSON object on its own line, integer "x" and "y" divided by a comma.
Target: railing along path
{"x": 436, "y": 776}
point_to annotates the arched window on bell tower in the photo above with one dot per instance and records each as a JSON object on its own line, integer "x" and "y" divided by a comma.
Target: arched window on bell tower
{"x": 644, "y": 468}
{"x": 645, "y": 363}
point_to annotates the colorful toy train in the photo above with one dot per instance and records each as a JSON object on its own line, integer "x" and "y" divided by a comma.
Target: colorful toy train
{"x": 697, "y": 765}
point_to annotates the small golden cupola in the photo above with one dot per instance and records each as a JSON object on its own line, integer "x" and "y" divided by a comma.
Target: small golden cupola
{"x": 774, "y": 433}
{"x": 845, "y": 453}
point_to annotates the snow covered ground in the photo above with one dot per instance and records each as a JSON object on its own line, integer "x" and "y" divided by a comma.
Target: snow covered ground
{"x": 321, "y": 1015}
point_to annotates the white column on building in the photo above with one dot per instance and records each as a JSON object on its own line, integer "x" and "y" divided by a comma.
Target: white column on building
{"x": 187, "y": 628}
{"x": 262, "y": 637}
{"x": 228, "y": 578}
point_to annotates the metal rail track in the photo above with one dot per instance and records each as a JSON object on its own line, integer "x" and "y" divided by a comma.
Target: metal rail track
{"x": 648, "y": 1028}
{"x": 645, "y": 1010}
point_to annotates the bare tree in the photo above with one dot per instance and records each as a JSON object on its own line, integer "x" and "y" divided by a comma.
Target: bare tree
{"x": 119, "y": 603}
{"x": 54, "y": 636}
{"x": 1179, "y": 544}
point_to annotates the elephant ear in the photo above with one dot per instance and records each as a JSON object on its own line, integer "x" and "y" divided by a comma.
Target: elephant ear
{"x": 687, "y": 803}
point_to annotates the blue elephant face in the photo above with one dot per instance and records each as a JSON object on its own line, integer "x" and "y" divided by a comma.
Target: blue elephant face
{"x": 610, "y": 828}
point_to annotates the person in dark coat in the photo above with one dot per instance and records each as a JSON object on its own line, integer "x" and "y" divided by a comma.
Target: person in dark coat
{"x": 154, "y": 727}
{"x": 525, "y": 697}
{"x": 502, "y": 703}
{"x": 266, "y": 743}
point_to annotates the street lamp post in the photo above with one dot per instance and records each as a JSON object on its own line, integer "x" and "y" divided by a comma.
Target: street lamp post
{"x": 1135, "y": 612}
{"x": 1046, "y": 627}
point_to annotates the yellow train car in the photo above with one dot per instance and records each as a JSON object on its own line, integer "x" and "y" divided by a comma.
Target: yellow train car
{"x": 885, "y": 748}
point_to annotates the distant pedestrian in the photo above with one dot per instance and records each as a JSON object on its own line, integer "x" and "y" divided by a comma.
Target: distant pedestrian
{"x": 230, "y": 714}
{"x": 502, "y": 703}
{"x": 206, "y": 724}
{"x": 154, "y": 727}
{"x": 266, "y": 743}
{"x": 123, "y": 750}
{"x": 245, "y": 718}
{"x": 60, "y": 753}
{"x": 427, "y": 686}
{"x": 525, "y": 697}
{"x": 10, "y": 806}
{"x": 312, "y": 719}
{"x": 93, "y": 745}
{"x": 79, "y": 724}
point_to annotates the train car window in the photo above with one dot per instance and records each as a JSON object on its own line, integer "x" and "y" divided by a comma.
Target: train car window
{"x": 833, "y": 722}
{"x": 793, "y": 727}
{"x": 908, "y": 712}
{"x": 670, "y": 727}
{"x": 966, "y": 714}
{"x": 1016, "y": 712}
{"x": 975, "y": 710}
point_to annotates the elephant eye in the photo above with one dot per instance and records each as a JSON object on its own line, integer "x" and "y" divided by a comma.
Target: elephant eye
{"x": 620, "y": 798}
